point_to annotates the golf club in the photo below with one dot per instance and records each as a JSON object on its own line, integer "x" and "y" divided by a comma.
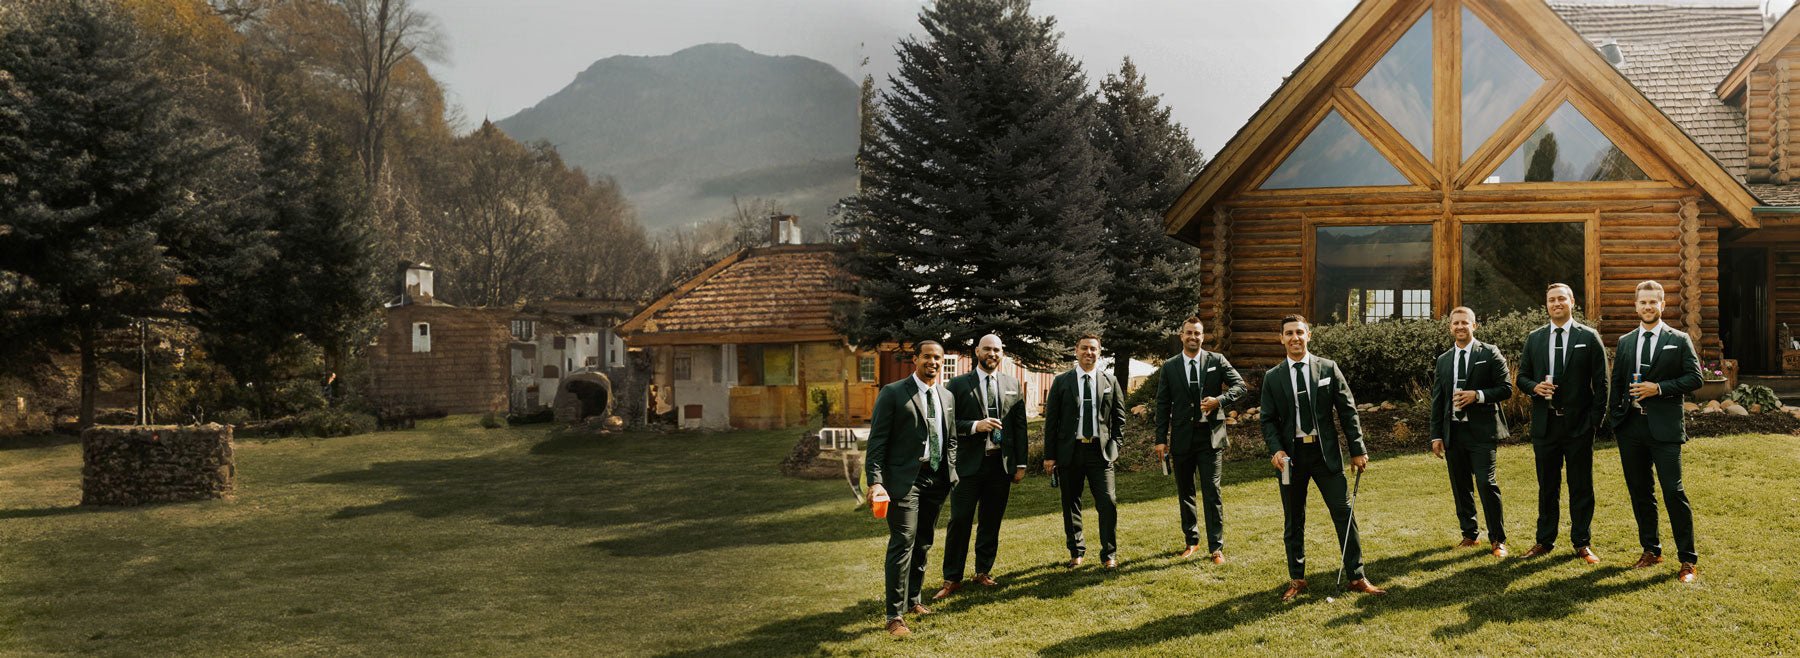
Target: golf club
{"x": 1349, "y": 529}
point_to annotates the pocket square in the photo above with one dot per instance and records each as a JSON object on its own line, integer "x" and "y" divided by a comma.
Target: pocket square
{"x": 1578, "y": 346}
{"x": 1478, "y": 363}
{"x": 1011, "y": 391}
{"x": 1668, "y": 347}
{"x": 1325, "y": 381}
{"x": 1212, "y": 368}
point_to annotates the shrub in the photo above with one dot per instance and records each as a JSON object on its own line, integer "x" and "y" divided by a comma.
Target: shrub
{"x": 543, "y": 415}
{"x": 1748, "y": 394}
{"x": 325, "y": 423}
{"x": 1397, "y": 359}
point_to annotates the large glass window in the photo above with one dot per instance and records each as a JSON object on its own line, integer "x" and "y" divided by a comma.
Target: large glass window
{"x": 1360, "y": 272}
{"x": 1333, "y": 155}
{"x": 1495, "y": 82}
{"x": 1568, "y": 147}
{"x": 1399, "y": 86}
{"x": 1506, "y": 266}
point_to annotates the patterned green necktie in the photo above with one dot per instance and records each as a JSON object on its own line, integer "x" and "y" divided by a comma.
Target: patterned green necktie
{"x": 931, "y": 428}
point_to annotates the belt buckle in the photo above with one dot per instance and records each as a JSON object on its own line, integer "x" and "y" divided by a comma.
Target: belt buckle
{"x": 1310, "y": 438}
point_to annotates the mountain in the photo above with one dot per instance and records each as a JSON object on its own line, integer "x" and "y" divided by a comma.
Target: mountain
{"x": 683, "y": 133}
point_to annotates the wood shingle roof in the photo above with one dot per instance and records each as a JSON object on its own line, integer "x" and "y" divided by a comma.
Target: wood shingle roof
{"x": 763, "y": 294}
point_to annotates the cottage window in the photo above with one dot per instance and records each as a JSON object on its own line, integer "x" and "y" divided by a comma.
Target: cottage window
{"x": 1399, "y": 85}
{"x": 1507, "y": 265}
{"x": 558, "y": 343}
{"x": 1567, "y": 147}
{"x": 523, "y": 329}
{"x": 551, "y": 372}
{"x": 1359, "y": 272}
{"x": 421, "y": 337}
{"x": 1495, "y": 82}
{"x": 684, "y": 368}
{"x": 1334, "y": 154}
{"x": 865, "y": 368}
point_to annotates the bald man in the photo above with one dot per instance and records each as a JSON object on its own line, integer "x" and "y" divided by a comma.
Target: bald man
{"x": 991, "y": 457}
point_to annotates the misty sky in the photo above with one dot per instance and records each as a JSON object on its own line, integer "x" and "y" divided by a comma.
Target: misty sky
{"x": 1213, "y": 61}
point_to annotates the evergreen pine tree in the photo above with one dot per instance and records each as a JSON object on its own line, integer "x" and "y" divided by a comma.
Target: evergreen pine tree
{"x": 980, "y": 204}
{"x": 1156, "y": 281}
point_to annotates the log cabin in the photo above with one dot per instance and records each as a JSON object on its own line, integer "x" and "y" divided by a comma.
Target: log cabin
{"x": 1436, "y": 153}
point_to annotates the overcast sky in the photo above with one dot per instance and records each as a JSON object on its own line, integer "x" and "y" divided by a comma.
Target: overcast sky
{"x": 1213, "y": 61}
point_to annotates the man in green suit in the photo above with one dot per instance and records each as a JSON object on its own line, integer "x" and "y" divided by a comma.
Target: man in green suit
{"x": 1563, "y": 369}
{"x": 912, "y": 459}
{"x": 1467, "y": 425}
{"x": 1301, "y": 397}
{"x": 1654, "y": 367}
{"x": 1192, "y": 390}
{"x": 991, "y": 451}
{"x": 1084, "y": 422}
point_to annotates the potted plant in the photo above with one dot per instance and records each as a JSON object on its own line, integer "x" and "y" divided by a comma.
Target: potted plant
{"x": 1713, "y": 383}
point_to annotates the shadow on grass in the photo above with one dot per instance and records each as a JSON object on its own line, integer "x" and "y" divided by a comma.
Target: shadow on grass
{"x": 797, "y": 636}
{"x": 1251, "y": 608}
{"x": 661, "y": 495}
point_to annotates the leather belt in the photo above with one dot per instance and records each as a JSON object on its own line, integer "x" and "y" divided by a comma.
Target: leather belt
{"x": 995, "y": 451}
{"x": 1310, "y": 438}
{"x": 1088, "y": 439}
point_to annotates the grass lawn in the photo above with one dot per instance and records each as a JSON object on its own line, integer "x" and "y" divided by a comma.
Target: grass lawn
{"x": 455, "y": 539}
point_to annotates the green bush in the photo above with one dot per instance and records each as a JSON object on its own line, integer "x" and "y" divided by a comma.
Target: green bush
{"x": 1397, "y": 359}
{"x": 1748, "y": 394}
{"x": 325, "y": 423}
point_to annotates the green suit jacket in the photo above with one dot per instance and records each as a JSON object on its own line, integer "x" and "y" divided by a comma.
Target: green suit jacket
{"x": 971, "y": 446}
{"x": 1331, "y": 398}
{"x": 1673, "y": 366}
{"x": 1177, "y": 409}
{"x": 1487, "y": 374}
{"x": 1062, "y": 415}
{"x": 897, "y": 436}
{"x": 1580, "y": 379}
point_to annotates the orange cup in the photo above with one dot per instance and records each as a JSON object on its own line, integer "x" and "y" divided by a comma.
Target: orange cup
{"x": 878, "y": 504}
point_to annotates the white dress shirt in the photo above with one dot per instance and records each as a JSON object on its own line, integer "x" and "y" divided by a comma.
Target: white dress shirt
{"x": 1302, "y": 384}
{"x": 937, "y": 399}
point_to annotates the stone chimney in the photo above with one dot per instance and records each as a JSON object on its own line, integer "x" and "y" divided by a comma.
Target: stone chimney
{"x": 784, "y": 229}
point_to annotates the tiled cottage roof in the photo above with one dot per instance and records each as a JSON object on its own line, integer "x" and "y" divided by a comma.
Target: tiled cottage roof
{"x": 787, "y": 290}
{"x": 1676, "y": 55}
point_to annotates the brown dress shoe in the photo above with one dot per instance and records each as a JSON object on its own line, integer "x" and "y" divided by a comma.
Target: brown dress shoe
{"x": 1218, "y": 557}
{"x": 1294, "y": 588}
{"x": 1587, "y": 555}
{"x": 1647, "y": 560}
{"x": 1536, "y": 550}
{"x": 985, "y": 580}
{"x": 1687, "y": 573}
{"x": 1363, "y": 585}
{"x": 1110, "y": 564}
{"x": 950, "y": 587}
{"x": 1466, "y": 543}
{"x": 920, "y": 610}
{"x": 897, "y": 628}
{"x": 1074, "y": 562}
{"x": 1499, "y": 549}
{"x": 1188, "y": 552}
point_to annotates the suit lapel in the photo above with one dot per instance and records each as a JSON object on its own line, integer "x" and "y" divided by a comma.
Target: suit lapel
{"x": 1667, "y": 337}
{"x": 918, "y": 398}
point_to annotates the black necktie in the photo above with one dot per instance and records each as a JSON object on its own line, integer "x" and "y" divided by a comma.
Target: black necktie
{"x": 1557, "y": 360}
{"x": 1087, "y": 408}
{"x": 993, "y": 407}
{"x": 931, "y": 427}
{"x": 1462, "y": 368}
{"x": 1194, "y": 383}
{"x": 1647, "y": 339}
{"x": 1305, "y": 392}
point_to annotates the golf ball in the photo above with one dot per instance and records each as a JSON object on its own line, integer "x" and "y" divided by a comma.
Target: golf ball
{"x": 1329, "y": 599}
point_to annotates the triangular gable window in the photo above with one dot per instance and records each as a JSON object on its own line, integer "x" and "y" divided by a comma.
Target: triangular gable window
{"x": 1399, "y": 85}
{"x": 1568, "y": 147}
{"x": 1334, "y": 155}
{"x": 1495, "y": 82}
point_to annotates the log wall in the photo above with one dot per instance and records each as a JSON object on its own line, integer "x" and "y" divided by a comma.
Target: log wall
{"x": 1639, "y": 233}
{"x": 1771, "y": 99}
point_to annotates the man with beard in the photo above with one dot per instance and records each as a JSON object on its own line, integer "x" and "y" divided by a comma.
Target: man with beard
{"x": 912, "y": 448}
{"x": 1655, "y": 366}
{"x": 1084, "y": 421}
{"x": 1190, "y": 390}
{"x": 991, "y": 449}
{"x": 1563, "y": 369}
{"x": 1301, "y": 397}
{"x": 1467, "y": 425}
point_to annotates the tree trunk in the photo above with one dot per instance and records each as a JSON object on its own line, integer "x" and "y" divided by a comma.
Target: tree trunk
{"x": 90, "y": 376}
{"x": 1122, "y": 372}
